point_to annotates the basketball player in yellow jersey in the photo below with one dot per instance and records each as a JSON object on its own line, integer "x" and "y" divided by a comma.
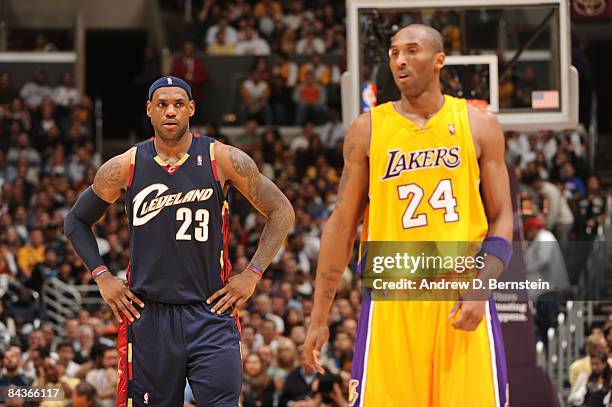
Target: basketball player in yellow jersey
{"x": 427, "y": 167}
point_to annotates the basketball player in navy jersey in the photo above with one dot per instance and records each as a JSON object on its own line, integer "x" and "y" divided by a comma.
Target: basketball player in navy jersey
{"x": 177, "y": 312}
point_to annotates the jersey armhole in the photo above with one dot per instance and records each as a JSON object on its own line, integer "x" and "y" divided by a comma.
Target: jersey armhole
{"x": 213, "y": 165}
{"x": 132, "y": 166}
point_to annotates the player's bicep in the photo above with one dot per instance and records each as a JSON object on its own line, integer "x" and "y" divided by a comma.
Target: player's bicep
{"x": 354, "y": 181}
{"x": 112, "y": 177}
{"x": 494, "y": 179}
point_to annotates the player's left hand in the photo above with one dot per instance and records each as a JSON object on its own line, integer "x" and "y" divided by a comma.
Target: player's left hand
{"x": 470, "y": 316}
{"x": 235, "y": 293}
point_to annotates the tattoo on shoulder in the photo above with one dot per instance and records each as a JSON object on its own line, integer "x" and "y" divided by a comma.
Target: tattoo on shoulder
{"x": 109, "y": 175}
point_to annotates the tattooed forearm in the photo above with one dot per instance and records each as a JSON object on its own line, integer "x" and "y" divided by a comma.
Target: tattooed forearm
{"x": 268, "y": 200}
{"x": 273, "y": 235}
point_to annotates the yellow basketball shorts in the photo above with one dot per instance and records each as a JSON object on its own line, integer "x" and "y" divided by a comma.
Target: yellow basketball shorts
{"x": 408, "y": 354}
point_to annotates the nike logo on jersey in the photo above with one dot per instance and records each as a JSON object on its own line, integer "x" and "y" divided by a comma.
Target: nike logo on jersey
{"x": 415, "y": 160}
{"x": 145, "y": 211}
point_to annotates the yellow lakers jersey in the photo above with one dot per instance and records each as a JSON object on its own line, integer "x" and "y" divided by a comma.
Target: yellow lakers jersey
{"x": 424, "y": 182}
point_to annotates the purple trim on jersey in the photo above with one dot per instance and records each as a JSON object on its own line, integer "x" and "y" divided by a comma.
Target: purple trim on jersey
{"x": 500, "y": 354}
{"x": 361, "y": 342}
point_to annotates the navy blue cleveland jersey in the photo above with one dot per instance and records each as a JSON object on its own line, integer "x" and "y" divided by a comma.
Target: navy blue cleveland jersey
{"x": 178, "y": 220}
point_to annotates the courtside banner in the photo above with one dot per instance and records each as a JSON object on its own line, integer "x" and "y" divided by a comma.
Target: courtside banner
{"x": 444, "y": 270}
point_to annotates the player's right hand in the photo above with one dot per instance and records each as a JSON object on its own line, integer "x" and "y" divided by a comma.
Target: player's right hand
{"x": 317, "y": 336}
{"x": 118, "y": 297}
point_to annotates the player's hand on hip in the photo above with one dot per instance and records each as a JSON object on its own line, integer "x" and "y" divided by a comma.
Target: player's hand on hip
{"x": 317, "y": 336}
{"x": 118, "y": 297}
{"x": 235, "y": 293}
{"x": 470, "y": 316}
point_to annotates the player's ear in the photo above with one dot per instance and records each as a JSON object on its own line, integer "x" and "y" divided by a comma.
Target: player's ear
{"x": 149, "y": 108}
{"x": 439, "y": 61}
{"x": 191, "y": 108}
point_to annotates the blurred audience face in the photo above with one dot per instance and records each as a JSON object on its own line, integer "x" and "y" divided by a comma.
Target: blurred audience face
{"x": 592, "y": 184}
{"x": 52, "y": 374}
{"x": 36, "y": 340}
{"x": 298, "y": 334}
{"x": 70, "y": 327}
{"x": 110, "y": 359}
{"x": 252, "y": 365}
{"x": 66, "y": 354}
{"x": 268, "y": 331}
{"x": 265, "y": 354}
{"x": 12, "y": 360}
{"x": 263, "y": 304}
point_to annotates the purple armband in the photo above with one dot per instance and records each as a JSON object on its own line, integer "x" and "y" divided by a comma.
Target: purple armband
{"x": 498, "y": 247}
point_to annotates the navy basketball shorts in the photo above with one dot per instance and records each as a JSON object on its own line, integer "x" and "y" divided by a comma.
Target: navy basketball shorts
{"x": 170, "y": 343}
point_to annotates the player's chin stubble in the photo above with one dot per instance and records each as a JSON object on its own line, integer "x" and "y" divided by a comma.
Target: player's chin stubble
{"x": 171, "y": 136}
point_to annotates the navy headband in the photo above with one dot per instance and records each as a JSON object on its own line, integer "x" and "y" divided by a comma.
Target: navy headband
{"x": 168, "y": 81}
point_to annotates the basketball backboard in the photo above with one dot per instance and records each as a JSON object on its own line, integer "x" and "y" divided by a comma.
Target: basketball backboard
{"x": 512, "y": 56}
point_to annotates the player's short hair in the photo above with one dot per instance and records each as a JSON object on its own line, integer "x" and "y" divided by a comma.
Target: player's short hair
{"x": 433, "y": 35}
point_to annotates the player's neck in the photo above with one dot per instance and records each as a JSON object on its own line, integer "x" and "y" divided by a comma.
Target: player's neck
{"x": 424, "y": 105}
{"x": 169, "y": 149}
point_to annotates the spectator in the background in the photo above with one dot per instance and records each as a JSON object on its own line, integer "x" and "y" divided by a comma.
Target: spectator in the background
{"x": 34, "y": 91}
{"x": 12, "y": 373}
{"x": 43, "y": 44}
{"x": 294, "y": 17}
{"x": 21, "y": 149}
{"x": 252, "y": 44}
{"x": 231, "y": 35}
{"x": 84, "y": 395}
{"x": 85, "y": 341}
{"x": 310, "y": 43}
{"x": 31, "y": 254}
{"x": 66, "y": 94}
{"x": 7, "y": 90}
{"x": 298, "y": 384}
{"x": 257, "y": 387}
{"x": 321, "y": 71}
{"x": 594, "y": 343}
{"x": 192, "y": 69}
{"x": 287, "y": 41}
{"x": 255, "y": 94}
{"x": 573, "y": 186}
{"x": 19, "y": 115}
{"x": 104, "y": 377}
{"x": 65, "y": 351}
{"x": 544, "y": 262}
{"x": 593, "y": 390}
{"x": 267, "y": 7}
{"x": 310, "y": 100}
{"x": 51, "y": 375}
{"x": 559, "y": 217}
{"x": 220, "y": 46}
{"x": 591, "y": 212}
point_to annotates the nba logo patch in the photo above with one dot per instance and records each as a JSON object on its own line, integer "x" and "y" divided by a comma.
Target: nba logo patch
{"x": 451, "y": 129}
{"x": 199, "y": 160}
{"x": 146, "y": 398}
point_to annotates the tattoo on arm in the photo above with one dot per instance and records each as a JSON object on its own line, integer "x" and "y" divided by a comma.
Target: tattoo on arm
{"x": 109, "y": 176}
{"x": 269, "y": 201}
